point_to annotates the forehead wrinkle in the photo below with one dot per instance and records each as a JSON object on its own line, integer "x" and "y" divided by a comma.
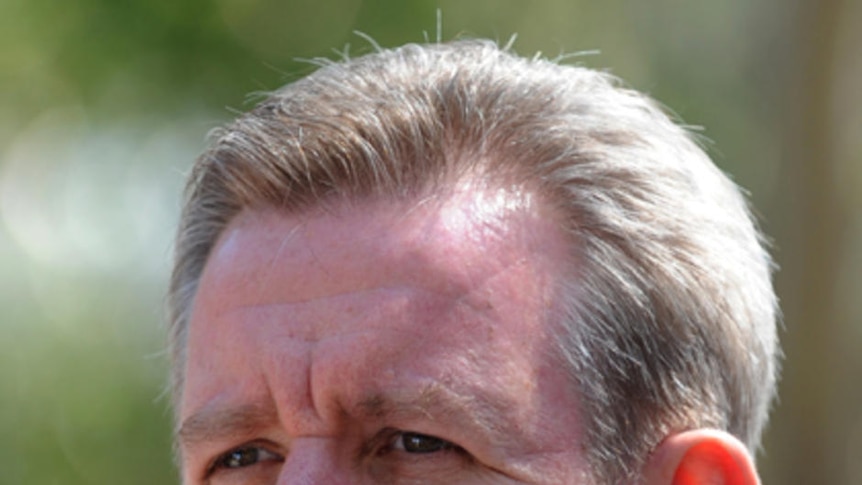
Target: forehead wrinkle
{"x": 455, "y": 293}
{"x": 484, "y": 216}
{"x": 399, "y": 289}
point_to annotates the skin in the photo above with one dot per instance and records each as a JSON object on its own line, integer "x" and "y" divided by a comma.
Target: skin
{"x": 328, "y": 346}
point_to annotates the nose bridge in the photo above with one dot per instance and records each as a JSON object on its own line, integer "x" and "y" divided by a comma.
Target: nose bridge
{"x": 315, "y": 461}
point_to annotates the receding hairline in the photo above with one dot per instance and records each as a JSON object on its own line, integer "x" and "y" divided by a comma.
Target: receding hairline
{"x": 616, "y": 149}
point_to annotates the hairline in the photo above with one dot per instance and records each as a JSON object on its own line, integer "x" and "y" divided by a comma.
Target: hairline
{"x": 577, "y": 311}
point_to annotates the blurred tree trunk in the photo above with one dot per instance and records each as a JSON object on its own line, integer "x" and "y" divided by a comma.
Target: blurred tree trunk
{"x": 807, "y": 445}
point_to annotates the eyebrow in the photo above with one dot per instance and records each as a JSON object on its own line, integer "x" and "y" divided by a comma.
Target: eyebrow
{"x": 432, "y": 401}
{"x": 217, "y": 423}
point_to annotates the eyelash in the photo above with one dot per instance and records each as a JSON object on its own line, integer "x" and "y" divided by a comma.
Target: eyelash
{"x": 263, "y": 451}
{"x": 409, "y": 439}
{"x": 387, "y": 441}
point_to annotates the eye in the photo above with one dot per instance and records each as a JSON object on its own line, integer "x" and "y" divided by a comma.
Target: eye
{"x": 244, "y": 456}
{"x": 411, "y": 442}
{"x": 411, "y": 457}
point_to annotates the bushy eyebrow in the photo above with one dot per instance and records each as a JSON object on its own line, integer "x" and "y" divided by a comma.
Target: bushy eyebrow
{"x": 212, "y": 424}
{"x": 432, "y": 401}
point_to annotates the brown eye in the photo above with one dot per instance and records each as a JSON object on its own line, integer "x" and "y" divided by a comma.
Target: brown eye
{"x": 244, "y": 457}
{"x": 239, "y": 458}
{"x": 421, "y": 443}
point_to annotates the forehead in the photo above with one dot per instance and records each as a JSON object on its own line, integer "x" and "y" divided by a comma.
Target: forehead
{"x": 439, "y": 271}
{"x": 444, "y": 242}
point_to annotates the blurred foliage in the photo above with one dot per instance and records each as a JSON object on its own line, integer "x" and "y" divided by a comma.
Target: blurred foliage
{"x": 104, "y": 103}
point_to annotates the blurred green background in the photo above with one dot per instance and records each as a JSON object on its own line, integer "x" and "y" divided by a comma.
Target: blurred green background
{"x": 105, "y": 103}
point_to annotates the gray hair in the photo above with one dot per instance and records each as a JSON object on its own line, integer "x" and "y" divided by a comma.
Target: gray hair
{"x": 670, "y": 320}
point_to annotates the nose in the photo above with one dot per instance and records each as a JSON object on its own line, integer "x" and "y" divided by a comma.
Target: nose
{"x": 315, "y": 461}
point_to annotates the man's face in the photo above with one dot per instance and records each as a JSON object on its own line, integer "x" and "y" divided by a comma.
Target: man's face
{"x": 381, "y": 343}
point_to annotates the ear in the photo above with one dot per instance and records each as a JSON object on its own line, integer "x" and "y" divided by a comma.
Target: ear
{"x": 700, "y": 457}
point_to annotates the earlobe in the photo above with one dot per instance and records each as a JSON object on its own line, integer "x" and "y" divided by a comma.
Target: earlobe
{"x": 701, "y": 457}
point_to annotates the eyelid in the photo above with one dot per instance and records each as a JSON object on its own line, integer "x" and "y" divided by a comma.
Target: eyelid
{"x": 385, "y": 442}
{"x": 400, "y": 442}
{"x": 266, "y": 446}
